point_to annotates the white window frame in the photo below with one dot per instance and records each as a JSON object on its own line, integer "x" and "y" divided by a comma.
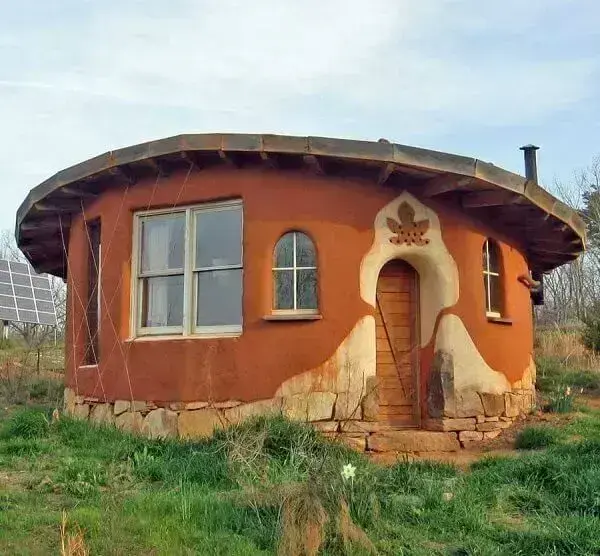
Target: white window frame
{"x": 487, "y": 272}
{"x": 190, "y": 275}
{"x": 294, "y": 268}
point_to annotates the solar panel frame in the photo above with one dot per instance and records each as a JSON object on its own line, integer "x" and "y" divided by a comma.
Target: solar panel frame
{"x": 25, "y": 296}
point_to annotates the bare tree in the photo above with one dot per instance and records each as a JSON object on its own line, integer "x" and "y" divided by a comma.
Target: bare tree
{"x": 572, "y": 291}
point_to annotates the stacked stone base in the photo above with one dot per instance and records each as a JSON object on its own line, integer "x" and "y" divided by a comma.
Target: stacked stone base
{"x": 496, "y": 412}
{"x": 327, "y": 412}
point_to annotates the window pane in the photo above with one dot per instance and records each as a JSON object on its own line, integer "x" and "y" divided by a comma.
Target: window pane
{"x": 4, "y": 277}
{"x": 219, "y": 238}
{"x": 305, "y": 251}
{"x": 485, "y": 257}
{"x": 307, "y": 289}
{"x": 6, "y": 289}
{"x": 3, "y": 265}
{"x": 494, "y": 256}
{"x": 162, "y": 242}
{"x": 283, "y": 257}
{"x": 495, "y": 295}
{"x": 162, "y": 301}
{"x": 283, "y": 289}
{"x": 219, "y": 298}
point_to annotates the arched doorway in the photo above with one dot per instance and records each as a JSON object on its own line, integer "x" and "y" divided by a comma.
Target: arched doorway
{"x": 397, "y": 339}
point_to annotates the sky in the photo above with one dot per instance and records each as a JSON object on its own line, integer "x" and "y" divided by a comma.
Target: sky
{"x": 81, "y": 77}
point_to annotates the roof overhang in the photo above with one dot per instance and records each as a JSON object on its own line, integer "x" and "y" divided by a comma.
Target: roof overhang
{"x": 551, "y": 232}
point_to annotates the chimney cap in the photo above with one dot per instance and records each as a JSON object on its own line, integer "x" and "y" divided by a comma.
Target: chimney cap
{"x": 529, "y": 147}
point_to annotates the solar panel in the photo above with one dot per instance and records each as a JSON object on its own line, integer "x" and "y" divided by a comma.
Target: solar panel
{"x": 25, "y": 296}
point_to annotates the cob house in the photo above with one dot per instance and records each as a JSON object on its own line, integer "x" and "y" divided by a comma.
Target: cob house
{"x": 380, "y": 291}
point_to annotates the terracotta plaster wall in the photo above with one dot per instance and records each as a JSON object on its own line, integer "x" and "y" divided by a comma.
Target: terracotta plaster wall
{"x": 505, "y": 347}
{"x": 339, "y": 215}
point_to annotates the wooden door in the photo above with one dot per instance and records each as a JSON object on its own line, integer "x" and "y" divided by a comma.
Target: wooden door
{"x": 397, "y": 337}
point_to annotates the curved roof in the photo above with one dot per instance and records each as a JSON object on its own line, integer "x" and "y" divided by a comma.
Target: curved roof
{"x": 550, "y": 232}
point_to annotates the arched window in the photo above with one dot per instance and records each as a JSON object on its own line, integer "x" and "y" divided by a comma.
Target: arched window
{"x": 295, "y": 274}
{"x": 492, "y": 278}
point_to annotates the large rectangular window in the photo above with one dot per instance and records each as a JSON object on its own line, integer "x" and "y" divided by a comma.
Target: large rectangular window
{"x": 188, "y": 270}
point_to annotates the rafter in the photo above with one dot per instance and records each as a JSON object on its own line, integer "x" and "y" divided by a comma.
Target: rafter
{"x": 443, "y": 184}
{"x": 491, "y": 198}
{"x": 124, "y": 173}
{"x": 77, "y": 193}
{"x": 43, "y": 226}
{"x": 385, "y": 173}
{"x": 313, "y": 163}
{"x": 49, "y": 206}
{"x": 268, "y": 159}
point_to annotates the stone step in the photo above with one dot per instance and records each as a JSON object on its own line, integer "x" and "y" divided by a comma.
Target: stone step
{"x": 413, "y": 441}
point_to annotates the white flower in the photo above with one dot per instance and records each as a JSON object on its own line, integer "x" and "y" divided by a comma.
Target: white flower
{"x": 581, "y": 391}
{"x": 447, "y": 496}
{"x": 568, "y": 391}
{"x": 348, "y": 471}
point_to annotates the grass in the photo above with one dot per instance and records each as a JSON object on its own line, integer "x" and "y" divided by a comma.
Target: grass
{"x": 536, "y": 437}
{"x": 272, "y": 486}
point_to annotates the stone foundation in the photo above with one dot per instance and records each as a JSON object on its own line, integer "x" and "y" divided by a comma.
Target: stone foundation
{"x": 327, "y": 411}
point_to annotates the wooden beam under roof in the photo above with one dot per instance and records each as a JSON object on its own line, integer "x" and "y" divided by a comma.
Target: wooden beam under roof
{"x": 44, "y": 225}
{"x": 227, "y": 158}
{"x": 268, "y": 159}
{"x": 149, "y": 163}
{"x": 56, "y": 207}
{"x": 385, "y": 173}
{"x": 443, "y": 184}
{"x": 124, "y": 174}
{"x": 77, "y": 192}
{"x": 488, "y": 198}
{"x": 313, "y": 163}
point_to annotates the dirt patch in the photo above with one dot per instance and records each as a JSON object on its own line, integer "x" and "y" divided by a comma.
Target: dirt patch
{"x": 12, "y": 480}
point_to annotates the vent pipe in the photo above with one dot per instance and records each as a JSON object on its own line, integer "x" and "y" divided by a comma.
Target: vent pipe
{"x": 530, "y": 155}
{"x": 529, "y": 152}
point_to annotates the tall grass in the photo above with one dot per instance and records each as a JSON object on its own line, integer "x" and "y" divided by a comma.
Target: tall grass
{"x": 273, "y": 486}
{"x": 566, "y": 346}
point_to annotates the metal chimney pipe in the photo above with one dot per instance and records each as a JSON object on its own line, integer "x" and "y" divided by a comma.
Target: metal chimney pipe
{"x": 530, "y": 162}
{"x": 529, "y": 151}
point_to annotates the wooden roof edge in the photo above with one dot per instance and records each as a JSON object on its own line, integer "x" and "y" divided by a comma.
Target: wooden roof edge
{"x": 390, "y": 155}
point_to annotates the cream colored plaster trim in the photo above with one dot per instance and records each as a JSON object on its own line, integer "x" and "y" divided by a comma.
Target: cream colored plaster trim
{"x": 471, "y": 372}
{"x": 346, "y": 371}
{"x": 438, "y": 273}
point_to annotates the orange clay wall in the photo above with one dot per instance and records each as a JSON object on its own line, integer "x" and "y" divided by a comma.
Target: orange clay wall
{"x": 338, "y": 214}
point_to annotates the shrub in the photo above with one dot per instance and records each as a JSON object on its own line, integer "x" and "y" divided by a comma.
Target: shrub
{"x": 44, "y": 389}
{"x": 27, "y": 423}
{"x": 535, "y": 438}
{"x": 591, "y": 334}
{"x": 81, "y": 477}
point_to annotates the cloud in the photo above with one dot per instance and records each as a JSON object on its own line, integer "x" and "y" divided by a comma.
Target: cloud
{"x": 81, "y": 78}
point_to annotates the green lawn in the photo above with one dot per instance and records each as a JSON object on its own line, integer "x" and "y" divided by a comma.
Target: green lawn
{"x": 271, "y": 484}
